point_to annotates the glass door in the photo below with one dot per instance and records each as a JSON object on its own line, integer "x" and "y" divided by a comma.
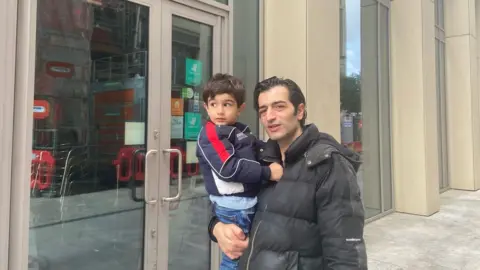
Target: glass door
{"x": 192, "y": 42}
{"x": 94, "y": 161}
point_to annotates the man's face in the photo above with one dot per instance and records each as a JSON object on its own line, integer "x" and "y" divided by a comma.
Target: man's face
{"x": 223, "y": 109}
{"x": 277, "y": 113}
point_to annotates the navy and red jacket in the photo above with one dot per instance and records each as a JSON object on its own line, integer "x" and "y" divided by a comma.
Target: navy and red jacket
{"x": 227, "y": 159}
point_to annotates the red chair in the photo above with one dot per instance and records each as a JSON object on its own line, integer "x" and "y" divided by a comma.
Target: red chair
{"x": 43, "y": 168}
{"x": 124, "y": 163}
{"x": 173, "y": 157}
{"x": 193, "y": 169}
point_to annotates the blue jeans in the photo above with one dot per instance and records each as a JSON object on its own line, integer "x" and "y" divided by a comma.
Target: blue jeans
{"x": 241, "y": 218}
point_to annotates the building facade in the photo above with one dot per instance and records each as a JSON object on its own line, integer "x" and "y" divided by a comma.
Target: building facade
{"x": 102, "y": 105}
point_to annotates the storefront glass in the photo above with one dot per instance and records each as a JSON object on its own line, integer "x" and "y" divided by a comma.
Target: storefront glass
{"x": 195, "y": 59}
{"x": 365, "y": 97}
{"x": 88, "y": 205}
{"x": 192, "y": 56}
{"x": 90, "y": 109}
{"x": 441, "y": 93}
{"x": 246, "y": 54}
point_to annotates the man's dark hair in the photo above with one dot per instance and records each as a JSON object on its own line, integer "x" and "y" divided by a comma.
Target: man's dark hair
{"x": 224, "y": 84}
{"x": 295, "y": 96}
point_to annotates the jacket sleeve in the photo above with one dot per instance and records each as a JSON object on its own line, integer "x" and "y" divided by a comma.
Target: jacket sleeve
{"x": 341, "y": 218}
{"x": 220, "y": 154}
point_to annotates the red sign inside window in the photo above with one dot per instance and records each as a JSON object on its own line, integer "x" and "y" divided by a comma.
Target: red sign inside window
{"x": 41, "y": 109}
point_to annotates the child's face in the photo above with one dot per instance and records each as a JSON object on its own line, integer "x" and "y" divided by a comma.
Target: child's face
{"x": 223, "y": 109}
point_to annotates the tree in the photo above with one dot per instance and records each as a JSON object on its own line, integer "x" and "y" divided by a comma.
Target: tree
{"x": 350, "y": 93}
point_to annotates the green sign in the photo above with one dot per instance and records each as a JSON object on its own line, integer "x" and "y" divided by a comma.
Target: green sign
{"x": 187, "y": 92}
{"x": 193, "y": 72}
{"x": 193, "y": 124}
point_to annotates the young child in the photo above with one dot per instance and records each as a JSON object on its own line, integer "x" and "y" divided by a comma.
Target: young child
{"x": 226, "y": 153}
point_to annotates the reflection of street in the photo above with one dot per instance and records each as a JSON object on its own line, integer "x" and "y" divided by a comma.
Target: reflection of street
{"x": 189, "y": 242}
{"x": 104, "y": 230}
{"x": 101, "y": 242}
{"x": 370, "y": 210}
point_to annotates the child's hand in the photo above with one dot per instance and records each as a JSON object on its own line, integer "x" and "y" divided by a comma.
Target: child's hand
{"x": 276, "y": 171}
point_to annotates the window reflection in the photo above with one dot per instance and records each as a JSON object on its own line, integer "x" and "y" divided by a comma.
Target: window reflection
{"x": 441, "y": 93}
{"x": 90, "y": 107}
{"x": 223, "y": 1}
{"x": 364, "y": 94}
{"x": 246, "y": 54}
{"x": 192, "y": 63}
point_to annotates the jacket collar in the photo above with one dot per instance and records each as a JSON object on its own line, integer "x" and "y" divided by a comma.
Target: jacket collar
{"x": 271, "y": 150}
{"x": 312, "y": 145}
{"x": 240, "y": 126}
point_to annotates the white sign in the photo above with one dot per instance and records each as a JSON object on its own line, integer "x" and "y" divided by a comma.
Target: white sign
{"x": 134, "y": 133}
{"x": 176, "y": 130}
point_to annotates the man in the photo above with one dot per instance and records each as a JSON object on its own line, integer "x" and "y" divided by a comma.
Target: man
{"x": 313, "y": 217}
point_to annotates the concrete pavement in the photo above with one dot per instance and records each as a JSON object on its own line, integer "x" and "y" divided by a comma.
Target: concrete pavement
{"x": 447, "y": 240}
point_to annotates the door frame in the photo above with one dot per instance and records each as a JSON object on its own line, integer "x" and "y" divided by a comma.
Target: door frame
{"x": 216, "y": 15}
{"x": 7, "y": 53}
{"x": 18, "y": 250}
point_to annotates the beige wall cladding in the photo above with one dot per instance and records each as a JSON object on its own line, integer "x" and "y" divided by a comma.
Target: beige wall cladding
{"x": 430, "y": 104}
{"x": 285, "y": 50}
{"x": 8, "y": 18}
{"x": 323, "y": 65}
{"x": 476, "y": 53}
{"x": 414, "y": 107}
{"x": 459, "y": 17}
{"x": 463, "y": 114}
{"x": 301, "y": 42}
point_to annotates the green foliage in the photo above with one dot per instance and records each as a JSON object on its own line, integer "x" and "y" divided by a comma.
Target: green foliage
{"x": 350, "y": 94}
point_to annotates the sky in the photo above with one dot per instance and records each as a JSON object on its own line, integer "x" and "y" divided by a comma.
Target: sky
{"x": 353, "y": 36}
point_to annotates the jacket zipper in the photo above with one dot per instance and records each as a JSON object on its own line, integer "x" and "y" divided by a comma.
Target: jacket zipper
{"x": 258, "y": 227}
{"x": 253, "y": 245}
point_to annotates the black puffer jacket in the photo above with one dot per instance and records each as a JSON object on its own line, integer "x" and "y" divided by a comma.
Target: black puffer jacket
{"x": 313, "y": 218}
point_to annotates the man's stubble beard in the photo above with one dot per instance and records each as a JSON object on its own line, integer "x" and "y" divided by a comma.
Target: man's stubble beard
{"x": 289, "y": 138}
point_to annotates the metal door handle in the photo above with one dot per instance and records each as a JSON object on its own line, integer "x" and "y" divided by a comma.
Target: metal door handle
{"x": 145, "y": 185}
{"x": 131, "y": 181}
{"x": 179, "y": 194}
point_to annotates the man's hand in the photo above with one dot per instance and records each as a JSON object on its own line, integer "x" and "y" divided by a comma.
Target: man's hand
{"x": 230, "y": 239}
{"x": 276, "y": 171}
